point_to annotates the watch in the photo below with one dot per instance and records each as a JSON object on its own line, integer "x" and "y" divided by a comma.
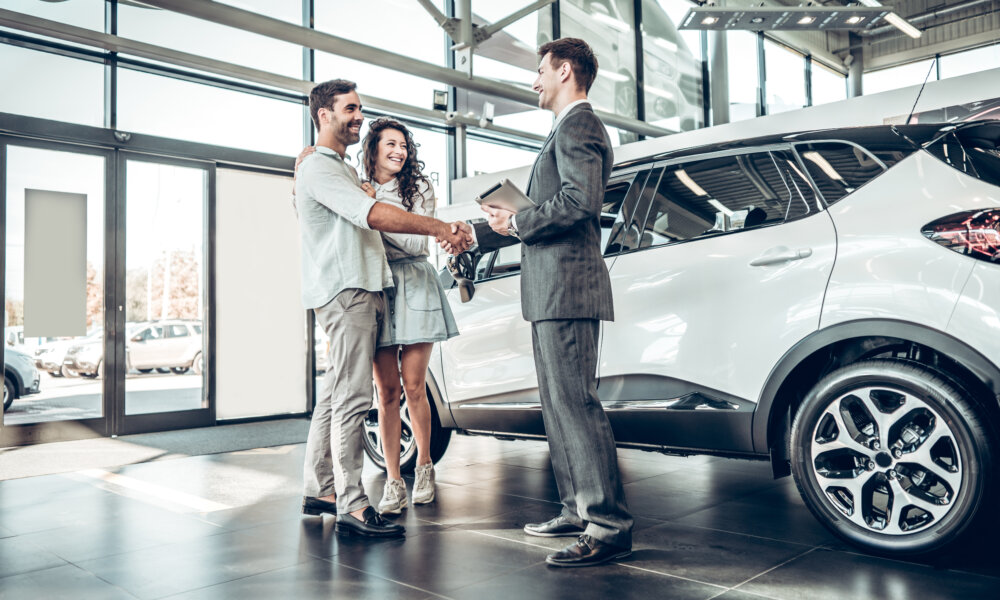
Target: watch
{"x": 511, "y": 227}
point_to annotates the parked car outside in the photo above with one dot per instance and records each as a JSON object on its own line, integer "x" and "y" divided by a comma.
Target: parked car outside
{"x": 168, "y": 345}
{"x": 51, "y": 357}
{"x": 828, "y": 301}
{"x": 20, "y": 377}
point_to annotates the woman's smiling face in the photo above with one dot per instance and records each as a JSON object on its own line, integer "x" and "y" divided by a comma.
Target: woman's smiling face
{"x": 392, "y": 152}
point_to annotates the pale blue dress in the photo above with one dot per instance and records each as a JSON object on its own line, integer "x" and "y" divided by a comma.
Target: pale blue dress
{"x": 418, "y": 309}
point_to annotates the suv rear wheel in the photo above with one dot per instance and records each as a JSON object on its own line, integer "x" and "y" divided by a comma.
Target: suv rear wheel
{"x": 408, "y": 444}
{"x": 891, "y": 456}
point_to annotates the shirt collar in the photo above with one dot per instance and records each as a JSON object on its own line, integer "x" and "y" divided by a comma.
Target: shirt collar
{"x": 565, "y": 111}
{"x": 328, "y": 152}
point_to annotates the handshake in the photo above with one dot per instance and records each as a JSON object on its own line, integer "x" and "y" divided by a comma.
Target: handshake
{"x": 455, "y": 237}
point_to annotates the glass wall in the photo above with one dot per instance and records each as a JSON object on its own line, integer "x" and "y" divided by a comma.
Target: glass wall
{"x": 488, "y": 157}
{"x": 743, "y": 75}
{"x": 204, "y": 38}
{"x": 88, "y": 14}
{"x": 608, "y": 26}
{"x": 211, "y": 115}
{"x": 51, "y": 367}
{"x": 785, "y": 72}
{"x": 46, "y": 97}
{"x": 971, "y": 61}
{"x": 897, "y": 77}
{"x": 402, "y": 27}
{"x": 827, "y": 84}
{"x": 509, "y": 56}
{"x": 164, "y": 287}
{"x": 671, "y": 66}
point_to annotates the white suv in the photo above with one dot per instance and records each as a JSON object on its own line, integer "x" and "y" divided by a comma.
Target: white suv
{"x": 828, "y": 301}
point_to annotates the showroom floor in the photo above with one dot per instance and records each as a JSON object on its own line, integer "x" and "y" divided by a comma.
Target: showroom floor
{"x": 227, "y": 526}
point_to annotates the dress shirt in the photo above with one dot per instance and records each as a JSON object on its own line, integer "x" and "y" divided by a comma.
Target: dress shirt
{"x": 339, "y": 249}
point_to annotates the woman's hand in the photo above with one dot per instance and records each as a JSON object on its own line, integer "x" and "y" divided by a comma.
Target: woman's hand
{"x": 367, "y": 188}
{"x": 298, "y": 161}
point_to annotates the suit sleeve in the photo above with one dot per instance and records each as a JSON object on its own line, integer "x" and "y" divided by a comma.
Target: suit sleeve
{"x": 489, "y": 240}
{"x": 581, "y": 150}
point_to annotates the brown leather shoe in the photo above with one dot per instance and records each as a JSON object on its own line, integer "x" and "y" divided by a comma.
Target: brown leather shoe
{"x": 587, "y": 552}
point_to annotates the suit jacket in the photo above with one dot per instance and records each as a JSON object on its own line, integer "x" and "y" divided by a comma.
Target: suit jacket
{"x": 563, "y": 274}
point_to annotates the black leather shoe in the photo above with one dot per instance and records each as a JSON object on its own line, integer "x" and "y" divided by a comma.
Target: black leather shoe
{"x": 371, "y": 525}
{"x": 557, "y": 527}
{"x": 315, "y": 506}
{"x": 586, "y": 552}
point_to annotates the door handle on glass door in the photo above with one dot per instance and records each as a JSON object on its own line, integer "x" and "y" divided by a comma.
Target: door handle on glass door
{"x": 780, "y": 254}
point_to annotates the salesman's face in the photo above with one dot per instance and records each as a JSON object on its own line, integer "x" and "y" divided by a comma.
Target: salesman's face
{"x": 346, "y": 118}
{"x": 547, "y": 83}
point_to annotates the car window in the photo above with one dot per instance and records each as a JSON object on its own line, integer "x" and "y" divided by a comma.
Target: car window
{"x": 176, "y": 331}
{"x": 197, "y": 328}
{"x": 624, "y": 232}
{"x": 508, "y": 261}
{"x": 838, "y": 168}
{"x": 615, "y": 196}
{"x": 723, "y": 194}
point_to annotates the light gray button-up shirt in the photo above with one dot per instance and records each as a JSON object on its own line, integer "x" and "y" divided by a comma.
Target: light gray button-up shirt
{"x": 339, "y": 249}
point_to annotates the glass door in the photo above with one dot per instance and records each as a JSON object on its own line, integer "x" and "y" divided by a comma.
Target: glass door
{"x": 164, "y": 285}
{"x": 53, "y": 214}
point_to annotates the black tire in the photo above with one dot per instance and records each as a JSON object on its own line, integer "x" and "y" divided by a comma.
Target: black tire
{"x": 440, "y": 437}
{"x": 145, "y": 371}
{"x": 162, "y": 370}
{"x": 922, "y": 482}
{"x": 180, "y": 370}
{"x": 9, "y": 393}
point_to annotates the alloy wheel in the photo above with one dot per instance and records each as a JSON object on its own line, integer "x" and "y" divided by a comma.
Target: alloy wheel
{"x": 886, "y": 460}
{"x": 373, "y": 437}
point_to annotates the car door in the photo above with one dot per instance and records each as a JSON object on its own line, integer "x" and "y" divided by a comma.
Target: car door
{"x": 143, "y": 347}
{"x": 726, "y": 273}
{"x": 488, "y": 371}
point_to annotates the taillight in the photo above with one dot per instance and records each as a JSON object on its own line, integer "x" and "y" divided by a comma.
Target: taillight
{"x": 973, "y": 233}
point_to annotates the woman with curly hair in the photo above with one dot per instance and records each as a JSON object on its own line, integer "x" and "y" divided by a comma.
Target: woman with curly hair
{"x": 419, "y": 314}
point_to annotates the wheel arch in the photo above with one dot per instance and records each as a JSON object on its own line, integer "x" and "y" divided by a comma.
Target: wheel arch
{"x": 436, "y": 398}
{"x": 844, "y": 343}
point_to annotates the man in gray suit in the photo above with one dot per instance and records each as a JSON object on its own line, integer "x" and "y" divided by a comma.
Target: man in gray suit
{"x": 566, "y": 293}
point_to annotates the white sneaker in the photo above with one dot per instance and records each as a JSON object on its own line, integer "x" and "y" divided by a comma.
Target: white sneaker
{"x": 393, "y": 497}
{"x": 423, "y": 485}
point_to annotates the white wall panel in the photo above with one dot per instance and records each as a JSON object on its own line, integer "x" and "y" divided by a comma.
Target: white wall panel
{"x": 260, "y": 323}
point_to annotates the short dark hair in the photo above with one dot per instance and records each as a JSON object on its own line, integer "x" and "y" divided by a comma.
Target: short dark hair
{"x": 580, "y": 56}
{"x": 324, "y": 95}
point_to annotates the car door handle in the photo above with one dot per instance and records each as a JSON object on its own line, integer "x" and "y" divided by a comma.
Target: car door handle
{"x": 780, "y": 254}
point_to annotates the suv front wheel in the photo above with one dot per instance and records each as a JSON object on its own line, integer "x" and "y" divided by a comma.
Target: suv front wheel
{"x": 890, "y": 456}
{"x": 375, "y": 449}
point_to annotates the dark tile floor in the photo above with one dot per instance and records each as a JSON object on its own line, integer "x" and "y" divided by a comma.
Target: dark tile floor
{"x": 227, "y": 526}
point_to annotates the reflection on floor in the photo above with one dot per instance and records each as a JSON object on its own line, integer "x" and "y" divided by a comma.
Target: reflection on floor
{"x": 227, "y": 526}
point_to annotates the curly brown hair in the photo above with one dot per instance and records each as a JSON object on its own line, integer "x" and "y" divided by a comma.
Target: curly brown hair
{"x": 410, "y": 176}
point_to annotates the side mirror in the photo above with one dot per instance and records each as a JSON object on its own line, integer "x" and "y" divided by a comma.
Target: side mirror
{"x": 460, "y": 267}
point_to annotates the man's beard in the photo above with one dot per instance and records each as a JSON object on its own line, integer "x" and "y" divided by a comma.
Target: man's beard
{"x": 348, "y": 136}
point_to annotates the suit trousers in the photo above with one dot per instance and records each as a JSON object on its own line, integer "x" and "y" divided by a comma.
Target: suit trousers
{"x": 334, "y": 451}
{"x": 581, "y": 443}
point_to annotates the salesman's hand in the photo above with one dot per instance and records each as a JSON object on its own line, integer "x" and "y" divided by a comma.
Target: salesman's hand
{"x": 298, "y": 161}
{"x": 458, "y": 239}
{"x": 499, "y": 219}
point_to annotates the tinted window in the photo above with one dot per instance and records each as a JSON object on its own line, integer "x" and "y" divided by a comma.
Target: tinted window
{"x": 624, "y": 232}
{"x": 838, "y": 169}
{"x": 175, "y": 331}
{"x": 508, "y": 260}
{"x": 724, "y": 194}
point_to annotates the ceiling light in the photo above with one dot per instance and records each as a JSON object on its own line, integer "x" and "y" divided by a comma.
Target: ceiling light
{"x": 689, "y": 183}
{"x": 757, "y": 20}
{"x": 710, "y": 20}
{"x": 899, "y": 22}
{"x": 806, "y": 20}
{"x": 769, "y": 18}
{"x": 854, "y": 20}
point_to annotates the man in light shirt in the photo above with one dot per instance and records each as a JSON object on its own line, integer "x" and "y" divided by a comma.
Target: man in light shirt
{"x": 344, "y": 273}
